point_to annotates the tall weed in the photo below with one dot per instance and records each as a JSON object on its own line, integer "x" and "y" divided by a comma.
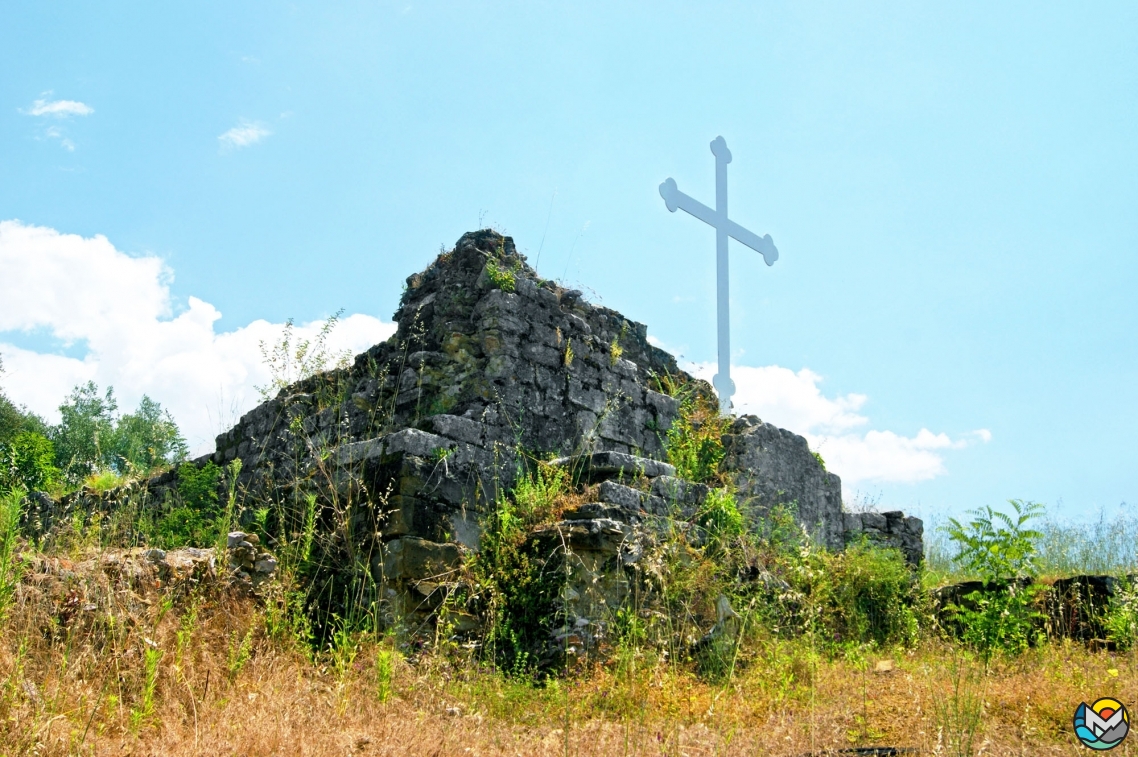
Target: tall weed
{"x": 958, "y": 707}
{"x": 1121, "y": 617}
{"x": 11, "y": 562}
{"x": 694, "y": 443}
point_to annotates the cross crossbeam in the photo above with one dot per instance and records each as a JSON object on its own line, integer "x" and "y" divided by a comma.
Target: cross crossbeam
{"x": 724, "y": 227}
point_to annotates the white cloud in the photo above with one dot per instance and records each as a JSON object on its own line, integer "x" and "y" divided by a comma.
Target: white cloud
{"x": 833, "y": 426}
{"x": 244, "y": 134}
{"x": 85, "y": 292}
{"x": 58, "y": 108}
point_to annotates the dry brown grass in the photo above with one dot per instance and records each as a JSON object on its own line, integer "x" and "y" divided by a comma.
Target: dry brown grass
{"x": 72, "y": 672}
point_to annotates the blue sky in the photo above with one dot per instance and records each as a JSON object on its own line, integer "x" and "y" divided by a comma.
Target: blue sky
{"x": 951, "y": 188}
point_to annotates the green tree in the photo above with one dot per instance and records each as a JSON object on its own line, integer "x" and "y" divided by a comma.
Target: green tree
{"x": 15, "y": 420}
{"x": 145, "y": 440}
{"x": 85, "y": 433}
{"x": 91, "y": 437}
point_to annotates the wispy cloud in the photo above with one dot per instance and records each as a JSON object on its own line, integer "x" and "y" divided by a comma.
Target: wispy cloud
{"x": 45, "y": 107}
{"x": 54, "y": 132}
{"x": 245, "y": 133}
{"x": 58, "y": 108}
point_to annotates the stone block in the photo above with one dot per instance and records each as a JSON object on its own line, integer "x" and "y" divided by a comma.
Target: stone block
{"x": 397, "y": 514}
{"x": 576, "y": 325}
{"x": 595, "y": 510}
{"x": 465, "y": 529}
{"x": 590, "y": 399}
{"x": 543, "y": 355}
{"x": 624, "y": 496}
{"x": 413, "y": 559}
{"x": 874, "y": 521}
{"x": 600, "y": 466}
{"x": 595, "y": 535}
{"x": 412, "y": 441}
{"x": 460, "y": 429}
{"x": 663, "y": 405}
{"x": 680, "y": 491}
{"x": 625, "y": 368}
{"x": 547, "y": 379}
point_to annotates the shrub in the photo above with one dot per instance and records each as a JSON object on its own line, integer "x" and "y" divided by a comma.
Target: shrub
{"x": 719, "y": 516}
{"x": 514, "y": 574}
{"x": 866, "y": 594}
{"x": 501, "y": 274}
{"x": 28, "y": 462}
{"x": 695, "y": 441}
{"x": 1121, "y": 618}
{"x": 11, "y": 563}
{"x": 196, "y": 518}
{"x": 873, "y": 594}
{"x": 997, "y": 548}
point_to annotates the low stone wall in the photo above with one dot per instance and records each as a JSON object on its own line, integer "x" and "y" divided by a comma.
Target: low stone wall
{"x": 1070, "y": 608}
{"x": 889, "y": 529}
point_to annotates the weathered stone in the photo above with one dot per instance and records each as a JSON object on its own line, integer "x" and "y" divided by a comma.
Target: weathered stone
{"x": 890, "y": 529}
{"x": 624, "y": 496}
{"x": 413, "y": 559}
{"x": 592, "y": 535}
{"x": 595, "y": 510}
{"x": 460, "y": 429}
{"x": 771, "y": 466}
{"x": 874, "y": 521}
{"x": 603, "y": 465}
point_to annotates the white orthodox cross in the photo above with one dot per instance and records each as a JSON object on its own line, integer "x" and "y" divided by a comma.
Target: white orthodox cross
{"x": 724, "y": 227}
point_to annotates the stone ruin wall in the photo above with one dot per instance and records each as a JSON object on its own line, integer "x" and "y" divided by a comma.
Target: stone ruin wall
{"x": 476, "y": 371}
{"x": 423, "y": 430}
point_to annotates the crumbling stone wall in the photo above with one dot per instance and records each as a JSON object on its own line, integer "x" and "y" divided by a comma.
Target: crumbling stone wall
{"x": 408, "y": 449}
{"x": 889, "y": 529}
{"x": 489, "y": 358}
{"x": 772, "y": 466}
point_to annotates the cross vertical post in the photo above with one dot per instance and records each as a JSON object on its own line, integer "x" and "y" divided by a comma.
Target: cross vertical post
{"x": 722, "y": 380}
{"x": 724, "y": 228}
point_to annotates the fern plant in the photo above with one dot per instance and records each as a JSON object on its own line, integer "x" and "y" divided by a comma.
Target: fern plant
{"x": 1000, "y": 550}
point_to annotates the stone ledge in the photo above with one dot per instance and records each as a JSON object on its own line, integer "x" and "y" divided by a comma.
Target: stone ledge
{"x": 410, "y": 441}
{"x": 600, "y": 466}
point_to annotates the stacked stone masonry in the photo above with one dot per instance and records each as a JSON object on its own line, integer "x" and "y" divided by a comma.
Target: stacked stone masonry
{"x": 423, "y": 431}
{"x": 488, "y": 359}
